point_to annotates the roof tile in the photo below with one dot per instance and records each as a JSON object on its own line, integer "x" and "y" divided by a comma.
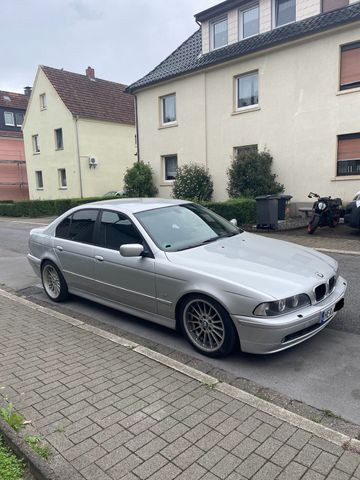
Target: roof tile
{"x": 13, "y": 100}
{"x": 97, "y": 99}
{"x": 187, "y": 58}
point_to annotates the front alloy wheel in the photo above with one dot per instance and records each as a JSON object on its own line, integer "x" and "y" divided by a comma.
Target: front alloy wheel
{"x": 208, "y": 326}
{"x": 53, "y": 282}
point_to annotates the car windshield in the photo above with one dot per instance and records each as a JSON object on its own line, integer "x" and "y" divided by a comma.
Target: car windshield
{"x": 180, "y": 227}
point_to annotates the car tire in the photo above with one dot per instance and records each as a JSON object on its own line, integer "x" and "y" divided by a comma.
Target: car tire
{"x": 53, "y": 282}
{"x": 207, "y": 326}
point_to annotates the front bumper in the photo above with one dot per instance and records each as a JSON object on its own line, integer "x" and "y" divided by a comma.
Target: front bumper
{"x": 269, "y": 335}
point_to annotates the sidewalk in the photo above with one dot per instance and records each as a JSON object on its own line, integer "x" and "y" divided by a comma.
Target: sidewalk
{"x": 341, "y": 238}
{"x": 109, "y": 411}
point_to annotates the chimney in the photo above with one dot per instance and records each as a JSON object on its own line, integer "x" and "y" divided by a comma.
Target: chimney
{"x": 90, "y": 73}
{"x": 27, "y": 91}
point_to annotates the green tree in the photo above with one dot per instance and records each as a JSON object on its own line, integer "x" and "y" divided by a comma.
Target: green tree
{"x": 249, "y": 175}
{"x": 138, "y": 181}
{"x": 193, "y": 182}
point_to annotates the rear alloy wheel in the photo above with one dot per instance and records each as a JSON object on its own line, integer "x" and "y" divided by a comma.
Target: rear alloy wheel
{"x": 208, "y": 326}
{"x": 53, "y": 282}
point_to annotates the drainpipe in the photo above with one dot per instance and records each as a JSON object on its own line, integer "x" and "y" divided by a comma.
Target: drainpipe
{"x": 137, "y": 129}
{"x": 78, "y": 155}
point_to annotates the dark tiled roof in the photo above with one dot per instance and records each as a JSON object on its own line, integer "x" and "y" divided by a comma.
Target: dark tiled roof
{"x": 188, "y": 58}
{"x": 99, "y": 99}
{"x": 13, "y": 100}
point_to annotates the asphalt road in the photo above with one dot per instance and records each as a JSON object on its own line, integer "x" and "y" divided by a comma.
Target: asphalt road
{"x": 323, "y": 372}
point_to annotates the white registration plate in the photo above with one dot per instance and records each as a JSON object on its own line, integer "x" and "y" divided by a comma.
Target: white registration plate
{"x": 326, "y": 314}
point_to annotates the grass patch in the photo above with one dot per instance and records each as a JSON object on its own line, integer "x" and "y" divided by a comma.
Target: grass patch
{"x": 36, "y": 443}
{"x": 209, "y": 386}
{"x": 330, "y": 414}
{"x": 14, "y": 419}
{"x": 11, "y": 468}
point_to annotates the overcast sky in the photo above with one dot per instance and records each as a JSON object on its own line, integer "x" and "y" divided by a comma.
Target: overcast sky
{"x": 122, "y": 39}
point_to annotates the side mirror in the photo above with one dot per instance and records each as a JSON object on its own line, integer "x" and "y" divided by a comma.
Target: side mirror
{"x": 234, "y": 222}
{"x": 131, "y": 250}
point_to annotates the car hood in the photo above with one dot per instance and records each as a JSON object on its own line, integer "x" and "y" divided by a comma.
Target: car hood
{"x": 263, "y": 265}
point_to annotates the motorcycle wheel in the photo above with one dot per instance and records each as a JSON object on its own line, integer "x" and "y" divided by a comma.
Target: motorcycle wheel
{"x": 313, "y": 224}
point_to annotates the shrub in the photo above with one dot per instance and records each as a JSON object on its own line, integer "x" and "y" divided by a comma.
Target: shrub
{"x": 42, "y": 208}
{"x": 138, "y": 181}
{"x": 243, "y": 209}
{"x": 193, "y": 182}
{"x": 249, "y": 175}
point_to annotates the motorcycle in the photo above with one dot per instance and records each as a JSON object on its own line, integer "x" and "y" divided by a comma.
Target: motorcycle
{"x": 327, "y": 212}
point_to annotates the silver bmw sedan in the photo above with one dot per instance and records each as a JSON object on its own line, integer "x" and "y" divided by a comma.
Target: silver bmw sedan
{"x": 179, "y": 264}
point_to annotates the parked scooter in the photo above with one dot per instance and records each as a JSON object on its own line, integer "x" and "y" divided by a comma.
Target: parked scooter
{"x": 327, "y": 212}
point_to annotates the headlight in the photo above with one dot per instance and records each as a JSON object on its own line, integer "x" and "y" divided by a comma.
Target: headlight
{"x": 321, "y": 206}
{"x": 280, "y": 307}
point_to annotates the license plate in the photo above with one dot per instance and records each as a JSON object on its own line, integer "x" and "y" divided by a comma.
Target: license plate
{"x": 326, "y": 314}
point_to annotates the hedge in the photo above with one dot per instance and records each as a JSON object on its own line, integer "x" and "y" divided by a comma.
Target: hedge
{"x": 42, "y": 208}
{"x": 243, "y": 209}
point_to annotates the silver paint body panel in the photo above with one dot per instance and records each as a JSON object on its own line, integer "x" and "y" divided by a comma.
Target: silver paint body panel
{"x": 239, "y": 272}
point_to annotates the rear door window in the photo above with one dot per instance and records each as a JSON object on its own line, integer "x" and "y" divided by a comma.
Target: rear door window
{"x": 83, "y": 226}
{"x": 116, "y": 230}
{"x": 62, "y": 230}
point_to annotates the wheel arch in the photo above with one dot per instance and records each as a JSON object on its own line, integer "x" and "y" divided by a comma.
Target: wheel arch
{"x": 189, "y": 294}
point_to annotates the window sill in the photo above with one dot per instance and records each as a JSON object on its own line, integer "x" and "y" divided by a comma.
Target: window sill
{"x": 349, "y": 90}
{"x": 42, "y": 109}
{"x": 168, "y": 125}
{"x": 62, "y": 188}
{"x": 252, "y": 108}
{"x": 40, "y": 189}
{"x": 59, "y": 149}
{"x": 36, "y": 153}
{"x": 345, "y": 177}
{"x": 167, "y": 183}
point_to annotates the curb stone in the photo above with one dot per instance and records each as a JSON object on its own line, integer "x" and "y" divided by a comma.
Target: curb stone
{"x": 321, "y": 431}
{"x": 37, "y": 466}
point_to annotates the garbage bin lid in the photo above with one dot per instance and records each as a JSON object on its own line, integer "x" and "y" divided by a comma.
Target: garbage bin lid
{"x": 264, "y": 197}
{"x": 285, "y": 197}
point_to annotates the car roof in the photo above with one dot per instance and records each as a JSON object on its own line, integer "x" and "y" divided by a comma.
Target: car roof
{"x": 134, "y": 205}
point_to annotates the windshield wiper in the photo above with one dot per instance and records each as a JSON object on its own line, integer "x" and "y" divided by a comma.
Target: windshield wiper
{"x": 209, "y": 240}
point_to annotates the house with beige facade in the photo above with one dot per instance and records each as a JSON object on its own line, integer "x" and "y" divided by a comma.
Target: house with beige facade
{"x": 79, "y": 135}
{"x": 281, "y": 75}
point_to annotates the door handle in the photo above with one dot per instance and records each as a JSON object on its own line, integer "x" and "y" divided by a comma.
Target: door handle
{"x": 59, "y": 247}
{"x": 99, "y": 258}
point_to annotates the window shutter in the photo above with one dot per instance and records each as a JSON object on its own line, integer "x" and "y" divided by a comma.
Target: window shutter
{"x": 349, "y": 149}
{"x": 350, "y": 66}
{"x": 328, "y": 5}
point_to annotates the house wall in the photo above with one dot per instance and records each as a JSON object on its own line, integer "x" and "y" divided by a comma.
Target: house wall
{"x": 301, "y": 112}
{"x": 49, "y": 160}
{"x": 113, "y": 145}
{"x": 12, "y": 149}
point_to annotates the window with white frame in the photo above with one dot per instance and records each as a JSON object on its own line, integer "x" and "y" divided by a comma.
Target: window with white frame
{"x": 9, "y": 119}
{"x": 35, "y": 143}
{"x": 168, "y": 109}
{"x": 249, "y": 21}
{"x": 19, "y": 118}
{"x": 247, "y": 90}
{"x": 39, "y": 180}
{"x": 284, "y": 11}
{"x": 62, "y": 178}
{"x": 219, "y": 33}
{"x": 170, "y": 166}
{"x": 59, "y": 143}
{"x": 43, "y": 103}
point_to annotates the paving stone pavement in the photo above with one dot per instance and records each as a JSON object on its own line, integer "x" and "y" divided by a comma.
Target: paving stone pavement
{"x": 110, "y": 413}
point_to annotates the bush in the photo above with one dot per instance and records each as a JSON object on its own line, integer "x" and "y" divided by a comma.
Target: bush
{"x": 42, "y": 208}
{"x": 250, "y": 175}
{"x": 193, "y": 182}
{"x": 138, "y": 181}
{"x": 243, "y": 209}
